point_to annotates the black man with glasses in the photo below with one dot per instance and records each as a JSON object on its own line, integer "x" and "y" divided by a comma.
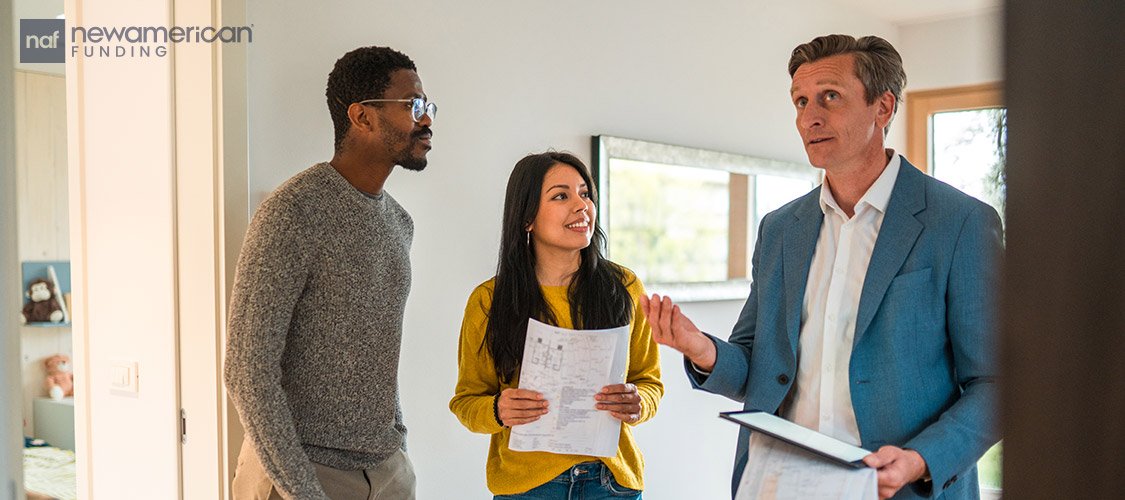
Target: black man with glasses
{"x": 315, "y": 324}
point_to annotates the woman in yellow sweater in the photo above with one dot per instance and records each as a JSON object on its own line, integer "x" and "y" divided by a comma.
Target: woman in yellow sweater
{"x": 551, "y": 269}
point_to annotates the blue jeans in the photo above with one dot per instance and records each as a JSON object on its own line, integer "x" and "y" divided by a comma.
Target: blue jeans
{"x": 585, "y": 481}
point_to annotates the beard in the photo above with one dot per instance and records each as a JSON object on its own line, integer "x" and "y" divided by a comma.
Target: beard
{"x": 404, "y": 156}
{"x": 410, "y": 162}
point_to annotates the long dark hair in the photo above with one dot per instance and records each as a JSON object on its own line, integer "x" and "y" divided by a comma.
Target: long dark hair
{"x": 597, "y": 293}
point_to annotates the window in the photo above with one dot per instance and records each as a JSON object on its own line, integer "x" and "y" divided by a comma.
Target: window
{"x": 959, "y": 136}
{"x": 685, "y": 219}
{"x": 968, "y": 152}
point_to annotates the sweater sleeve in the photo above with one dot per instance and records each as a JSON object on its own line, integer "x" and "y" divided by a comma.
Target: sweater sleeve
{"x": 271, "y": 274}
{"x": 644, "y": 357}
{"x": 477, "y": 382}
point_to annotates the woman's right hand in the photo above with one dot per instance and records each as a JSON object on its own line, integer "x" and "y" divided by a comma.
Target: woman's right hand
{"x": 520, "y": 406}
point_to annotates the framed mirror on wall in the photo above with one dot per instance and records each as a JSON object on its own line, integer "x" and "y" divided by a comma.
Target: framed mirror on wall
{"x": 685, "y": 219}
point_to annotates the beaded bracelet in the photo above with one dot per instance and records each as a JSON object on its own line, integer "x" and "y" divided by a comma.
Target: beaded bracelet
{"x": 496, "y": 410}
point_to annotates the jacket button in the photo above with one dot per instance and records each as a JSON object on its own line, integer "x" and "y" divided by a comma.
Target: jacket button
{"x": 783, "y": 379}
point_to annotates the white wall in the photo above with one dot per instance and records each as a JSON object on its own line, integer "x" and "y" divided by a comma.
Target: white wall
{"x": 953, "y": 52}
{"x": 512, "y": 77}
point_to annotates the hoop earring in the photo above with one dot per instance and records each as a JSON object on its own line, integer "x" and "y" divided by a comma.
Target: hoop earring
{"x": 528, "y": 237}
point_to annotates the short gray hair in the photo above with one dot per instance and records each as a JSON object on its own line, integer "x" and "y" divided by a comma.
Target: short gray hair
{"x": 877, "y": 64}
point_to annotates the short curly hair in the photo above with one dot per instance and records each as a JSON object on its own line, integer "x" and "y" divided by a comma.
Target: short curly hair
{"x": 364, "y": 73}
{"x": 877, "y": 64}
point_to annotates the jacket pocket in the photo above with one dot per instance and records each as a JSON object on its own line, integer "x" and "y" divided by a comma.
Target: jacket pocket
{"x": 910, "y": 281}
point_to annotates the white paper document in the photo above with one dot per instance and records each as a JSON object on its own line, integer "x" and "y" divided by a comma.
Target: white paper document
{"x": 569, "y": 367}
{"x": 776, "y": 470}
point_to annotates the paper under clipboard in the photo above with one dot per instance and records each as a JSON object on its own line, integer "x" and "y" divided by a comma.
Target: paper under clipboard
{"x": 820, "y": 444}
{"x": 788, "y": 462}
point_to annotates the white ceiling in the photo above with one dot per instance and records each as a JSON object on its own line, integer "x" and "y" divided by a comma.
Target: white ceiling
{"x": 918, "y": 11}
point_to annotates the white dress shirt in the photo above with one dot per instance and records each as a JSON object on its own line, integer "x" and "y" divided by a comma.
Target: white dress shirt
{"x": 821, "y": 398}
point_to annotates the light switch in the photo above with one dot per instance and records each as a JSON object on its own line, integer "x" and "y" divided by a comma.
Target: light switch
{"x": 123, "y": 375}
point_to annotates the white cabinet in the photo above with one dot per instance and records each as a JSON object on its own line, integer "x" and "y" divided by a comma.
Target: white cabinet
{"x": 54, "y": 422}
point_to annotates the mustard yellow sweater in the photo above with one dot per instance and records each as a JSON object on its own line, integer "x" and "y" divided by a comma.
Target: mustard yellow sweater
{"x": 511, "y": 472}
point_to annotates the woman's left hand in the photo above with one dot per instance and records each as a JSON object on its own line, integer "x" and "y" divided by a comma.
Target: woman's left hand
{"x": 621, "y": 401}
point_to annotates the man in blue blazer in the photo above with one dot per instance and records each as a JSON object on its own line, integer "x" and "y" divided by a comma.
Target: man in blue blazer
{"x": 871, "y": 311}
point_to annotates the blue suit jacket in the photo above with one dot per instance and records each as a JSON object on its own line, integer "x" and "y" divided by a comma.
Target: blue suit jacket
{"x": 922, "y": 371}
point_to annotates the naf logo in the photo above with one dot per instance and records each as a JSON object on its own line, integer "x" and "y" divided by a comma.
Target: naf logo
{"x": 42, "y": 40}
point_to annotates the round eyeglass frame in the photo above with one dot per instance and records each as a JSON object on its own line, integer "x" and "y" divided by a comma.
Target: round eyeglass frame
{"x": 419, "y": 106}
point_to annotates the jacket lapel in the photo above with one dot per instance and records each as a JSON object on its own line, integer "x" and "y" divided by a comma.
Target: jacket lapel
{"x": 896, "y": 238}
{"x": 800, "y": 241}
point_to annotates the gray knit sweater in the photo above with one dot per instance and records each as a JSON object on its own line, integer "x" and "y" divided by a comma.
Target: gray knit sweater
{"x": 315, "y": 328}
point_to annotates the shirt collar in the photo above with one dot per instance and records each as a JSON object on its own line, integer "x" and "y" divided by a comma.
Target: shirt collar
{"x": 877, "y": 196}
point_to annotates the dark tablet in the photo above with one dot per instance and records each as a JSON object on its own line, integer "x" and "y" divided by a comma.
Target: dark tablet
{"x": 777, "y": 427}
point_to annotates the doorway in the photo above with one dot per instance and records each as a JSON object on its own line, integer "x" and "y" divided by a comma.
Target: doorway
{"x": 45, "y": 381}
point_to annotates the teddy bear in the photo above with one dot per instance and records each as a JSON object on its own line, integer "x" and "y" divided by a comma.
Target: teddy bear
{"x": 60, "y": 382}
{"x": 43, "y": 306}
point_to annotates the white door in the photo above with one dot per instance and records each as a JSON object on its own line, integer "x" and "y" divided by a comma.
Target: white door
{"x": 149, "y": 253}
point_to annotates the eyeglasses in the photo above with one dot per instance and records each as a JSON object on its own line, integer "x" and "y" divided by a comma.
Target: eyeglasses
{"x": 418, "y": 106}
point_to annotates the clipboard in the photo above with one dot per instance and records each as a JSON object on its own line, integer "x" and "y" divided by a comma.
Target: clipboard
{"x": 820, "y": 444}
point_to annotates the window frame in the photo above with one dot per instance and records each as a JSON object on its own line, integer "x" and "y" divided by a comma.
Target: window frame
{"x": 740, "y": 228}
{"x": 922, "y": 105}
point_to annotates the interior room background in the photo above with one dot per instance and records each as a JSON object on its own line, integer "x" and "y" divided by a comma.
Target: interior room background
{"x": 513, "y": 77}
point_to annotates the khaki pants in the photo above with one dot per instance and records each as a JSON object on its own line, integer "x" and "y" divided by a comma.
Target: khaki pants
{"x": 391, "y": 480}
